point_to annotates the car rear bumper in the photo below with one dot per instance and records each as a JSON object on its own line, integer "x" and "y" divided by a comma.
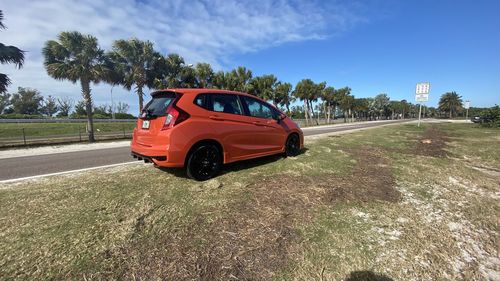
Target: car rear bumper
{"x": 161, "y": 155}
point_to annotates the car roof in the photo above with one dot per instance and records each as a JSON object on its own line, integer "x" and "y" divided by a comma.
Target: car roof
{"x": 200, "y": 91}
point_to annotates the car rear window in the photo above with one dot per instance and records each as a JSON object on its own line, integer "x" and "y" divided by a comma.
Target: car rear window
{"x": 158, "y": 105}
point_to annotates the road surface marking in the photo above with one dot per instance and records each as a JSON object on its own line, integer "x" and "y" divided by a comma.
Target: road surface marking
{"x": 69, "y": 172}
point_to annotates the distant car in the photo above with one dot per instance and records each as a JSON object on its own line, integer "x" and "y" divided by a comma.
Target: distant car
{"x": 476, "y": 119}
{"x": 481, "y": 119}
{"x": 202, "y": 129}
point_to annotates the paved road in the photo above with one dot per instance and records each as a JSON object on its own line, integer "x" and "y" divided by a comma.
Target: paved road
{"x": 26, "y": 166}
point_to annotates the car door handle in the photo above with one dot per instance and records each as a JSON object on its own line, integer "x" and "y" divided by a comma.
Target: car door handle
{"x": 215, "y": 117}
{"x": 257, "y": 123}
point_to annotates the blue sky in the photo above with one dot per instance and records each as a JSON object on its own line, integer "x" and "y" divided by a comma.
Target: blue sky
{"x": 371, "y": 46}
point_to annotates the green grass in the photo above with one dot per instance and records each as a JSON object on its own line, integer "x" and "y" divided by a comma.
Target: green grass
{"x": 33, "y": 130}
{"x": 267, "y": 218}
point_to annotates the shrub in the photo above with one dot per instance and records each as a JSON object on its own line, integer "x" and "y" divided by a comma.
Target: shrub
{"x": 21, "y": 116}
{"x": 491, "y": 117}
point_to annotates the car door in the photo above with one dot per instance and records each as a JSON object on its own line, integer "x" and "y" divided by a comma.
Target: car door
{"x": 270, "y": 135}
{"x": 232, "y": 126}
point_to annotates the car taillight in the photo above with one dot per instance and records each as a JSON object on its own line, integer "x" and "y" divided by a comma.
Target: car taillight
{"x": 175, "y": 116}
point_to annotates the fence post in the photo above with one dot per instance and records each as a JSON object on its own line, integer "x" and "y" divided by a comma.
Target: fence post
{"x": 80, "y": 133}
{"x": 123, "y": 128}
{"x": 24, "y": 137}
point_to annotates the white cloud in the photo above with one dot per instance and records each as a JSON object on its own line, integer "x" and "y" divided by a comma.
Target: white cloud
{"x": 209, "y": 31}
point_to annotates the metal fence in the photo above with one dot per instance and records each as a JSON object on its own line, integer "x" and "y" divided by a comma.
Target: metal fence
{"x": 22, "y": 134}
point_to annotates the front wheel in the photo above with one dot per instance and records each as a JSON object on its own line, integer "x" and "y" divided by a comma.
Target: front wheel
{"x": 292, "y": 146}
{"x": 204, "y": 162}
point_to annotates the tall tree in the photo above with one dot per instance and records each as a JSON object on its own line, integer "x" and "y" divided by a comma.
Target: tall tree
{"x": 80, "y": 109}
{"x": 219, "y": 80}
{"x": 450, "y": 102}
{"x": 238, "y": 79}
{"x": 175, "y": 64}
{"x": 345, "y": 101}
{"x": 49, "y": 106}
{"x": 77, "y": 58}
{"x": 27, "y": 101}
{"x": 122, "y": 107}
{"x": 308, "y": 91}
{"x": 204, "y": 75}
{"x": 381, "y": 104}
{"x": 65, "y": 105}
{"x": 135, "y": 62}
{"x": 8, "y": 54}
{"x": 284, "y": 93}
{"x": 328, "y": 98}
{"x": 264, "y": 87}
{"x": 4, "y": 101}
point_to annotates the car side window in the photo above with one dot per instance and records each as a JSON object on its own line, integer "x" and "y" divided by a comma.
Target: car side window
{"x": 257, "y": 108}
{"x": 226, "y": 103}
{"x": 201, "y": 101}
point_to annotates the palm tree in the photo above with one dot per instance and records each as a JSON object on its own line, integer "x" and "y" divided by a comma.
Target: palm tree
{"x": 451, "y": 102}
{"x": 346, "y": 101}
{"x": 8, "y": 54}
{"x": 204, "y": 75}
{"x": 327, "y": 96}
{"x": 136, "y": 63}
{"x": 219, "y": 80}
{"x": 238, "y": 79}
{"x": 284, "y": 93}
{"x": 77, "y": 58}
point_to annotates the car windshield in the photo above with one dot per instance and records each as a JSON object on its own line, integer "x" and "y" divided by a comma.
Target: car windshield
{"x": 158, "y": 105}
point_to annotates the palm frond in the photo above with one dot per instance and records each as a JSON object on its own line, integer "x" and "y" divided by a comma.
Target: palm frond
{"x": 11, "y": 54}
{"x": 4, "y": 83}
{"x": 1, "y": 20}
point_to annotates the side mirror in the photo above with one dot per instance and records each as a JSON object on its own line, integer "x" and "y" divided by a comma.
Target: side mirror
{"x": 280, "y": 117}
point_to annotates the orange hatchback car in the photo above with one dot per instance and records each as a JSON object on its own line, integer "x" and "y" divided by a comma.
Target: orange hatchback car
{"x": 202, "y": 129}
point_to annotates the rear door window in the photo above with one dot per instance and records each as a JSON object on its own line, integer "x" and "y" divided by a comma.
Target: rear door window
{"x": 257, "y": 108}
{"x": 226, "y": 103}
{"x": 201, "y": 101}
{"x": 158, "y": 105}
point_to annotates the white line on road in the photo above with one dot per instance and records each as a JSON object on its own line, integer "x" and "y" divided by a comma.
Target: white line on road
{"x": 69, "y": 172}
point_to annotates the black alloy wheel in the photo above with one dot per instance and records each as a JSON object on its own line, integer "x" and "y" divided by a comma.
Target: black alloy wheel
{"x": 204, "y": 162}
{"x": 292, "y": 146}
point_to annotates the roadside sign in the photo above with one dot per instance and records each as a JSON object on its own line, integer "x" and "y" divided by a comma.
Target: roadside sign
{"x": 423, "y": 88}
{"x": 421, "y": 97}
{"x": 467, "y": 104}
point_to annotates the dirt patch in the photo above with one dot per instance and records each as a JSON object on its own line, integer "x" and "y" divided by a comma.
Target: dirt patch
{"x": 256, "y": 236}
{"x": 432, "y": 143}
{"x": 252, "y": 242}
{"x": 370, "y": 180}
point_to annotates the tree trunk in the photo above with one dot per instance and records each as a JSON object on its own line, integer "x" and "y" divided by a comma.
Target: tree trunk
{"x": 306, "y": 111}
{"x": 324, "y": 112}
{"x": 313, "y": 113}
{"x": 329, "y": 107}
{"x": 87, "y": 97}
{"x": 287, "y": 108}
{"x": 140, "y": 94}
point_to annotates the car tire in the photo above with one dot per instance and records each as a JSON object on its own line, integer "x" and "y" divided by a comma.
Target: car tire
{"x": 204, "y": 162}
{"x": 292, "y": 145}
